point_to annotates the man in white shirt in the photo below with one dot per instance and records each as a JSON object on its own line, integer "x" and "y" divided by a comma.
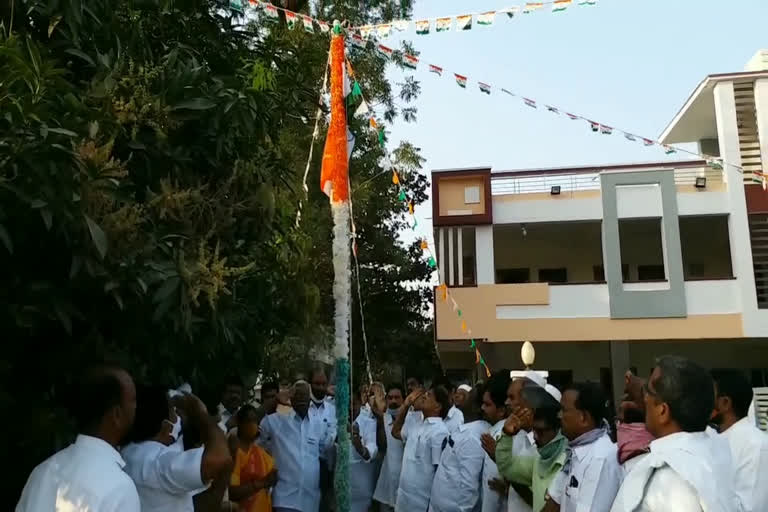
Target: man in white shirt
{"x": 323, "y": 409}
{"x": 389, "y": 477}
{"x": 296, "y": 441}
{"x": 457, "y": 485}
{"x": 591, "y": 474}
{"x": 423, "y": 447}
{"x": 231, "y": 400}
{"x": 88, "y": 475}
{"x": 748, "y": 444}
{"x": 495, "y": 412}
{"x": 682, "y": 472}
{"x": 362, "y": 457}
{"x": 167, "y": 476}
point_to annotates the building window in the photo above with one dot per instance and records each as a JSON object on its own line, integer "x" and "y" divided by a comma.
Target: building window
{"x": 472, "y": 195}
{"x": 598, "y": 273}
{"x": 642, "y": 247}
{"x": 469, "y": 263}
{"x": 513, "y": 275}
{"x": 456, "y": 255}
{"x": 553, "y": 275}
{"x": 706, "y": 247}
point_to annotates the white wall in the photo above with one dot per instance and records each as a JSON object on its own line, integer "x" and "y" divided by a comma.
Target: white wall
{"x": 513, "y": 209}
{"x": 637, "y": 201}
{"x": 591, "y": 301}
{"x": 484, "y": 254}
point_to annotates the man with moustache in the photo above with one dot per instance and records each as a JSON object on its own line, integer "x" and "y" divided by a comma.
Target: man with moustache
{"x": 389, "y": 477}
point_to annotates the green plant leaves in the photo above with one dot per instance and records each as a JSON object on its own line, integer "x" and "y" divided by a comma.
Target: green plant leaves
{"x": 97, "y": 236}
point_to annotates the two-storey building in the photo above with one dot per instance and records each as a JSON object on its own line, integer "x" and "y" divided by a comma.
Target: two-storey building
{"x": 604, "y": 268}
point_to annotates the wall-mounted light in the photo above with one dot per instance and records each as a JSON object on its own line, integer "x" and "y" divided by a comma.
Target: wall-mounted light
{"x": 555, "y": 190}
{"x": 701, "y": 182}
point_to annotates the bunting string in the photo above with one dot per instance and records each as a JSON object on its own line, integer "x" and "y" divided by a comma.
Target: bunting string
{"x": 406, "y": 198}
{"x": 463, "y": 22}
{"x": 413, "y": 62}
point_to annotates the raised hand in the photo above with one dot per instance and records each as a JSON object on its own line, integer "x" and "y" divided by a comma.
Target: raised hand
{"x": 489, "y": 445}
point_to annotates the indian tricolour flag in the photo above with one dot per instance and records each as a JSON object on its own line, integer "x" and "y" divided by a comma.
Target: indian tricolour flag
{"x": 669, "y": 149}
{"x": 606, "y": 130}
{"x": 629, "y": 136}
{"x": 530, "y": 103}
{"x": 587, "y": 2}
{"x": 486, "y": 18}
{"x": 511, "y": 11}
{"x": 290, "y": 19}
{"x": 484, "y": 87}
{"x": 357, "y": 40}
{"x": 443, "y": 24}
{"x": 464, "y": 22}
{"x": 532, "y": 6}
{"x": 384, "y": 29}
{"x": 271, "y": 12}
{"x": 324, "y": 27}
{"x": 410, "y": 61}
{"x": 461, "y": 80}
{"x": 594, "y": 126}
{"x": 365, "y": 31}
{"x": 422, "y": 27}
{"x": 308, "y": 25}
{"x": 386, "y": 51}
{"x": 561, "y": 5}
{"x": 436, "y": 69}
{"x": 401, "y": 25}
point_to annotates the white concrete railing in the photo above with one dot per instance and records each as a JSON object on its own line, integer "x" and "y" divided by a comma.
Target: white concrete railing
{"x": 587, "y": 181}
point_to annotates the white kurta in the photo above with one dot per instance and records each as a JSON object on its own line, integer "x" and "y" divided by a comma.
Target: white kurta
{"x": 682, "y": 473}
{"x": 457, "y": 484}
{"x": 389, "y": 478}
{"x": 423, "y": 447}
{"x": 454, "y": 419}
{"x": 85, "y": 476}
{"x": 523, "y": 445}
{"x": 362, "y": 472}
{"x": 592, "y": 481}
{"x": 166, "y": 477}
{"x": 296, "y": 445}
{"x": 493, "y": 501}
{"x": 325, "y": 414}
{"x": 749, "y": 456}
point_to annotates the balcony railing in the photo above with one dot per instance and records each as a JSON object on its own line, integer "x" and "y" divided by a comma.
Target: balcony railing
{"x": 536, "y": 183}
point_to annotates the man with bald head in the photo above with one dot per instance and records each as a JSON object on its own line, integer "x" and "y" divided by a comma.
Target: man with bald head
{"x": 296, "y": 440}
{"x": 88, "y": 475}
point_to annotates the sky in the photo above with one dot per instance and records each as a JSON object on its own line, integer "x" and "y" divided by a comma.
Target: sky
{"x": 630, "y": 64}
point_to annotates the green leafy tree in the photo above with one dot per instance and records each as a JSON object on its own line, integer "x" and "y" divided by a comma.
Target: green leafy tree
{"x": 151, "y": 156}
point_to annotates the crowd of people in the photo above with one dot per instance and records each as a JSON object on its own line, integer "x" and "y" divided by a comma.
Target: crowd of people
{"x": 683, "y": 441}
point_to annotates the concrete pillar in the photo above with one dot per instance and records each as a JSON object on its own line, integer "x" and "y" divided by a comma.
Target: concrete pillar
{"x": 441, "y": 255}
{"x": 460, "y": 251}
{"x": 451, "y": 252}
{"x": 738, "y": 224}
{"x": 486, "y": 268}
{"x": 761, "y": 111}
{"x": 619, "y": 355}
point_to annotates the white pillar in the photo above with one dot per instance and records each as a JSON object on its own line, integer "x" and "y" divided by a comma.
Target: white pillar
{"x": 460, "y": 251}
{"x": 761, "y": 111}
{"x": 738, "y": 223}
{"x": 441, "y": 255}
{"x": 451, "y": 282}
{"x": 486, "y": 268}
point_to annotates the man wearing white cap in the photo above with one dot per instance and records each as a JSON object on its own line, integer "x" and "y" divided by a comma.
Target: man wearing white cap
{"x": 455, "y": 417}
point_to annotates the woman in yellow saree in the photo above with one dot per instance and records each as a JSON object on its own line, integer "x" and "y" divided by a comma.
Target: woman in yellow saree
{"x": 254, "y": 471}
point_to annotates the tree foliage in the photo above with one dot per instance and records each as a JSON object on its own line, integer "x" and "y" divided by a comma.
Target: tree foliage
{"x": 151, "y": 155}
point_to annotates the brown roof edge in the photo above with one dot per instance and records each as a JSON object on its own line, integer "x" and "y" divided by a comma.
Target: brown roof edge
{"x": 462, "y": 170}
{"x": 588, "y": 169}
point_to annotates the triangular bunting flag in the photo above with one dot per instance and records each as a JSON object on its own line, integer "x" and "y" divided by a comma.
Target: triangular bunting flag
{"x": 401, "y": 25}
{"x": 395, "y": 178}
{"x": 463, "y": 326}
{"x": 357, "y": 40}
{"x": 324, "y": 27}
{"x": 587, "y": 2}
{"x": 715, "y": 163}
{"x": 410, "y": 207}
{"x": 561, "y": 5}
{"x": 669, "y": 149}
{"x": 552, "y": 109}
{"x": 424, "y": 245}
{"x": 629, "y": 136}
{"x": 648, "y": 142}
{"x": 422, "y": 27}
{"x": 362, "y": 110}
{"x": 477, "y": 356}
{"x": 572, "y": 116}
{"x": 487, "y": 372}
{"x": 443, "y": 24}
{"x": 384, "y": 30}
{"x": 606, "y": 130}
{"x": 508, "y": 92}
{"x": 464, "y": 22}
{"x": 484, "y": 87}
{"x": 436, "y": 69}
{"x": 486, "y": 18}
{"x": 595, "y": 126}
{"x": 530, "y": 103}
{"x": 461, "y": 80}
{"x": 511, "y": 11}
